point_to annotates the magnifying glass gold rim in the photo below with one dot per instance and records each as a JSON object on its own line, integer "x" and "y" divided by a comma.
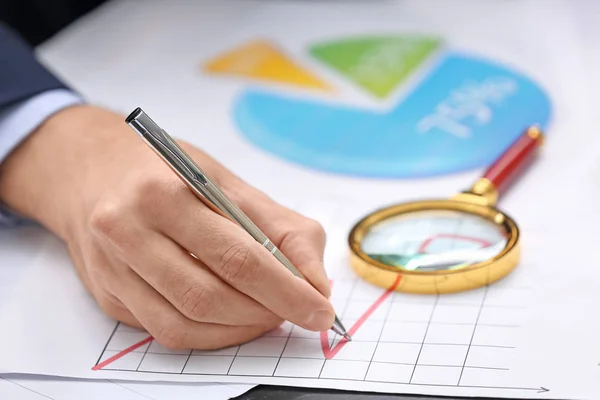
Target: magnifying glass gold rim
{"x": 447, "y": 281}
{"x": 479, "y": 201}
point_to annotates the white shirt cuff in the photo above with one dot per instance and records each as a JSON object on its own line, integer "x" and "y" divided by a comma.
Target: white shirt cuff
{"x": 20, "y": 120}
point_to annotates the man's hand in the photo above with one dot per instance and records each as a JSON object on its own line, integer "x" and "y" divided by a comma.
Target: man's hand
{"x": 130, "y": 225}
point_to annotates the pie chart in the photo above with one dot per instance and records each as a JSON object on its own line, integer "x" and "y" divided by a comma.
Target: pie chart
{"x": 455, "y": 112}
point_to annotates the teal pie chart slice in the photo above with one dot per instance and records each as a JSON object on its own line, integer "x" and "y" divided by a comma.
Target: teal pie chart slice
{"x": 461, "y": 115}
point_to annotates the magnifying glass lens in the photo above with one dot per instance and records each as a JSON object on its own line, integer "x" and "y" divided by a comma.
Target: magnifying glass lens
{"x": 434, "y": 240}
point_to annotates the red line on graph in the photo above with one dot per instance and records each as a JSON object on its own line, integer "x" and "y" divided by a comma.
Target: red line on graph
{"x": 329, "y": 353}
{"x": 122, "y": 353}
{"x": 427, "y": 242}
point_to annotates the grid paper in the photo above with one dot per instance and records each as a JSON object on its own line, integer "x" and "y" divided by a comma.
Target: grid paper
{"x": 458, "y": 339}
{"x": 438, "y": 341}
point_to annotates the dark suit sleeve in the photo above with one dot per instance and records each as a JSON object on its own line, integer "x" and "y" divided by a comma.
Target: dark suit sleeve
{"x": 22, "y": 77}
{"x": 21, "y": 74}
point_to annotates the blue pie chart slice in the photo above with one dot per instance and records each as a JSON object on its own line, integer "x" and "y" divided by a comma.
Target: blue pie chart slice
{"x": 460, "y": 116}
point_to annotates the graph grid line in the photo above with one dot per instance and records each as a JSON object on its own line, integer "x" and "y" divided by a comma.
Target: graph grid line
{"x": 459, "y": 340}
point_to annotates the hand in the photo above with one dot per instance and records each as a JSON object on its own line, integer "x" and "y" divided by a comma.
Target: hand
{"x": 130, "y": 225}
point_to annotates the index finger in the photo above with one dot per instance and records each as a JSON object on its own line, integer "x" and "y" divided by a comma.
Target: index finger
{"x": 301, "y": 239}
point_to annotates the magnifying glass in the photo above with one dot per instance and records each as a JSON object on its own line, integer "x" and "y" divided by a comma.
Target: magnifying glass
{"x": 445, "y": 245}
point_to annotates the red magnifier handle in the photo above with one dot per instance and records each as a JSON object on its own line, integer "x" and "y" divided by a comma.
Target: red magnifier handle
{"x": 511, "y": 162}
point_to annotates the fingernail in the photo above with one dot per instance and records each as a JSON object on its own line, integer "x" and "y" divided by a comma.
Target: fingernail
{"x": 321, "y": 320}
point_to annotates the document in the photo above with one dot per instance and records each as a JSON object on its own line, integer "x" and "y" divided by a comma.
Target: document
{"x": 25, "y": 387}
{"x": 18, "y": 248}
{"x": 515, "y": 338}
{"x": 371, "y": 106}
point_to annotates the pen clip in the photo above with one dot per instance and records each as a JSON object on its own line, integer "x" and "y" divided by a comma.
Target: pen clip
{"x": 167, "y": 149}
{"x": 182, "y": 161}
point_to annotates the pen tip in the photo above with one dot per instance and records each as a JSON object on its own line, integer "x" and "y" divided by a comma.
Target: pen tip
{"x": 340, "y": 330}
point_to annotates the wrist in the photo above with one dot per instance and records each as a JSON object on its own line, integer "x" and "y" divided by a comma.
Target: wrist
{"x": 45, "y": 178}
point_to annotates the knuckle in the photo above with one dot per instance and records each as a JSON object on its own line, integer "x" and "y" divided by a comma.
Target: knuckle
{"x": 199, "y": 301}
{"x": 106, "y": 218}
{"x": 111, "y": 221}
{"x": 239, "y": 265}
{"x": 155, "y": 191}
{"x": 148, "y": 189}
{"x": 314, "y": 227}
{"x": 150, "y": 184}
{"x": 172, "y": 335}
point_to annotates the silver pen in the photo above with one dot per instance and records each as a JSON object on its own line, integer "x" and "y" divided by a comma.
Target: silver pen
{"x": 206, "y": 190}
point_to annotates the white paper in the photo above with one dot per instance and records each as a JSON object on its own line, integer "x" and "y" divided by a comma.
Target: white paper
{"x": 37, "y": 388}
{"x": 532, "y": 335}
{"x": 534, "y": 332}
{"x": 18, "y": 248}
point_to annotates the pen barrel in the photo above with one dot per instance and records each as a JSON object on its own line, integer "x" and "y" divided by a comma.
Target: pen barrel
{"x": 287, "y": 263}
{"x": 204, "y": 188}
{"x": 199, "y": 183}
{"x": 216, "y": 196}
{"x": 511, "y": 163}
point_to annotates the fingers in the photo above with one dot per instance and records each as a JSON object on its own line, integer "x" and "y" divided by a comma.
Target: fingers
{"x": 224, "y": 247}
{"x": 303, "y": 244}
{"x": 301, "y": 239}
{"x": 106, "y": 301}
{"x": 236, "y": 258}
{"x": 191, "y": 287}
{"x": 172, "y": 329}
{"x": 115, "y": 309}
{"x": 184, "y": 281}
